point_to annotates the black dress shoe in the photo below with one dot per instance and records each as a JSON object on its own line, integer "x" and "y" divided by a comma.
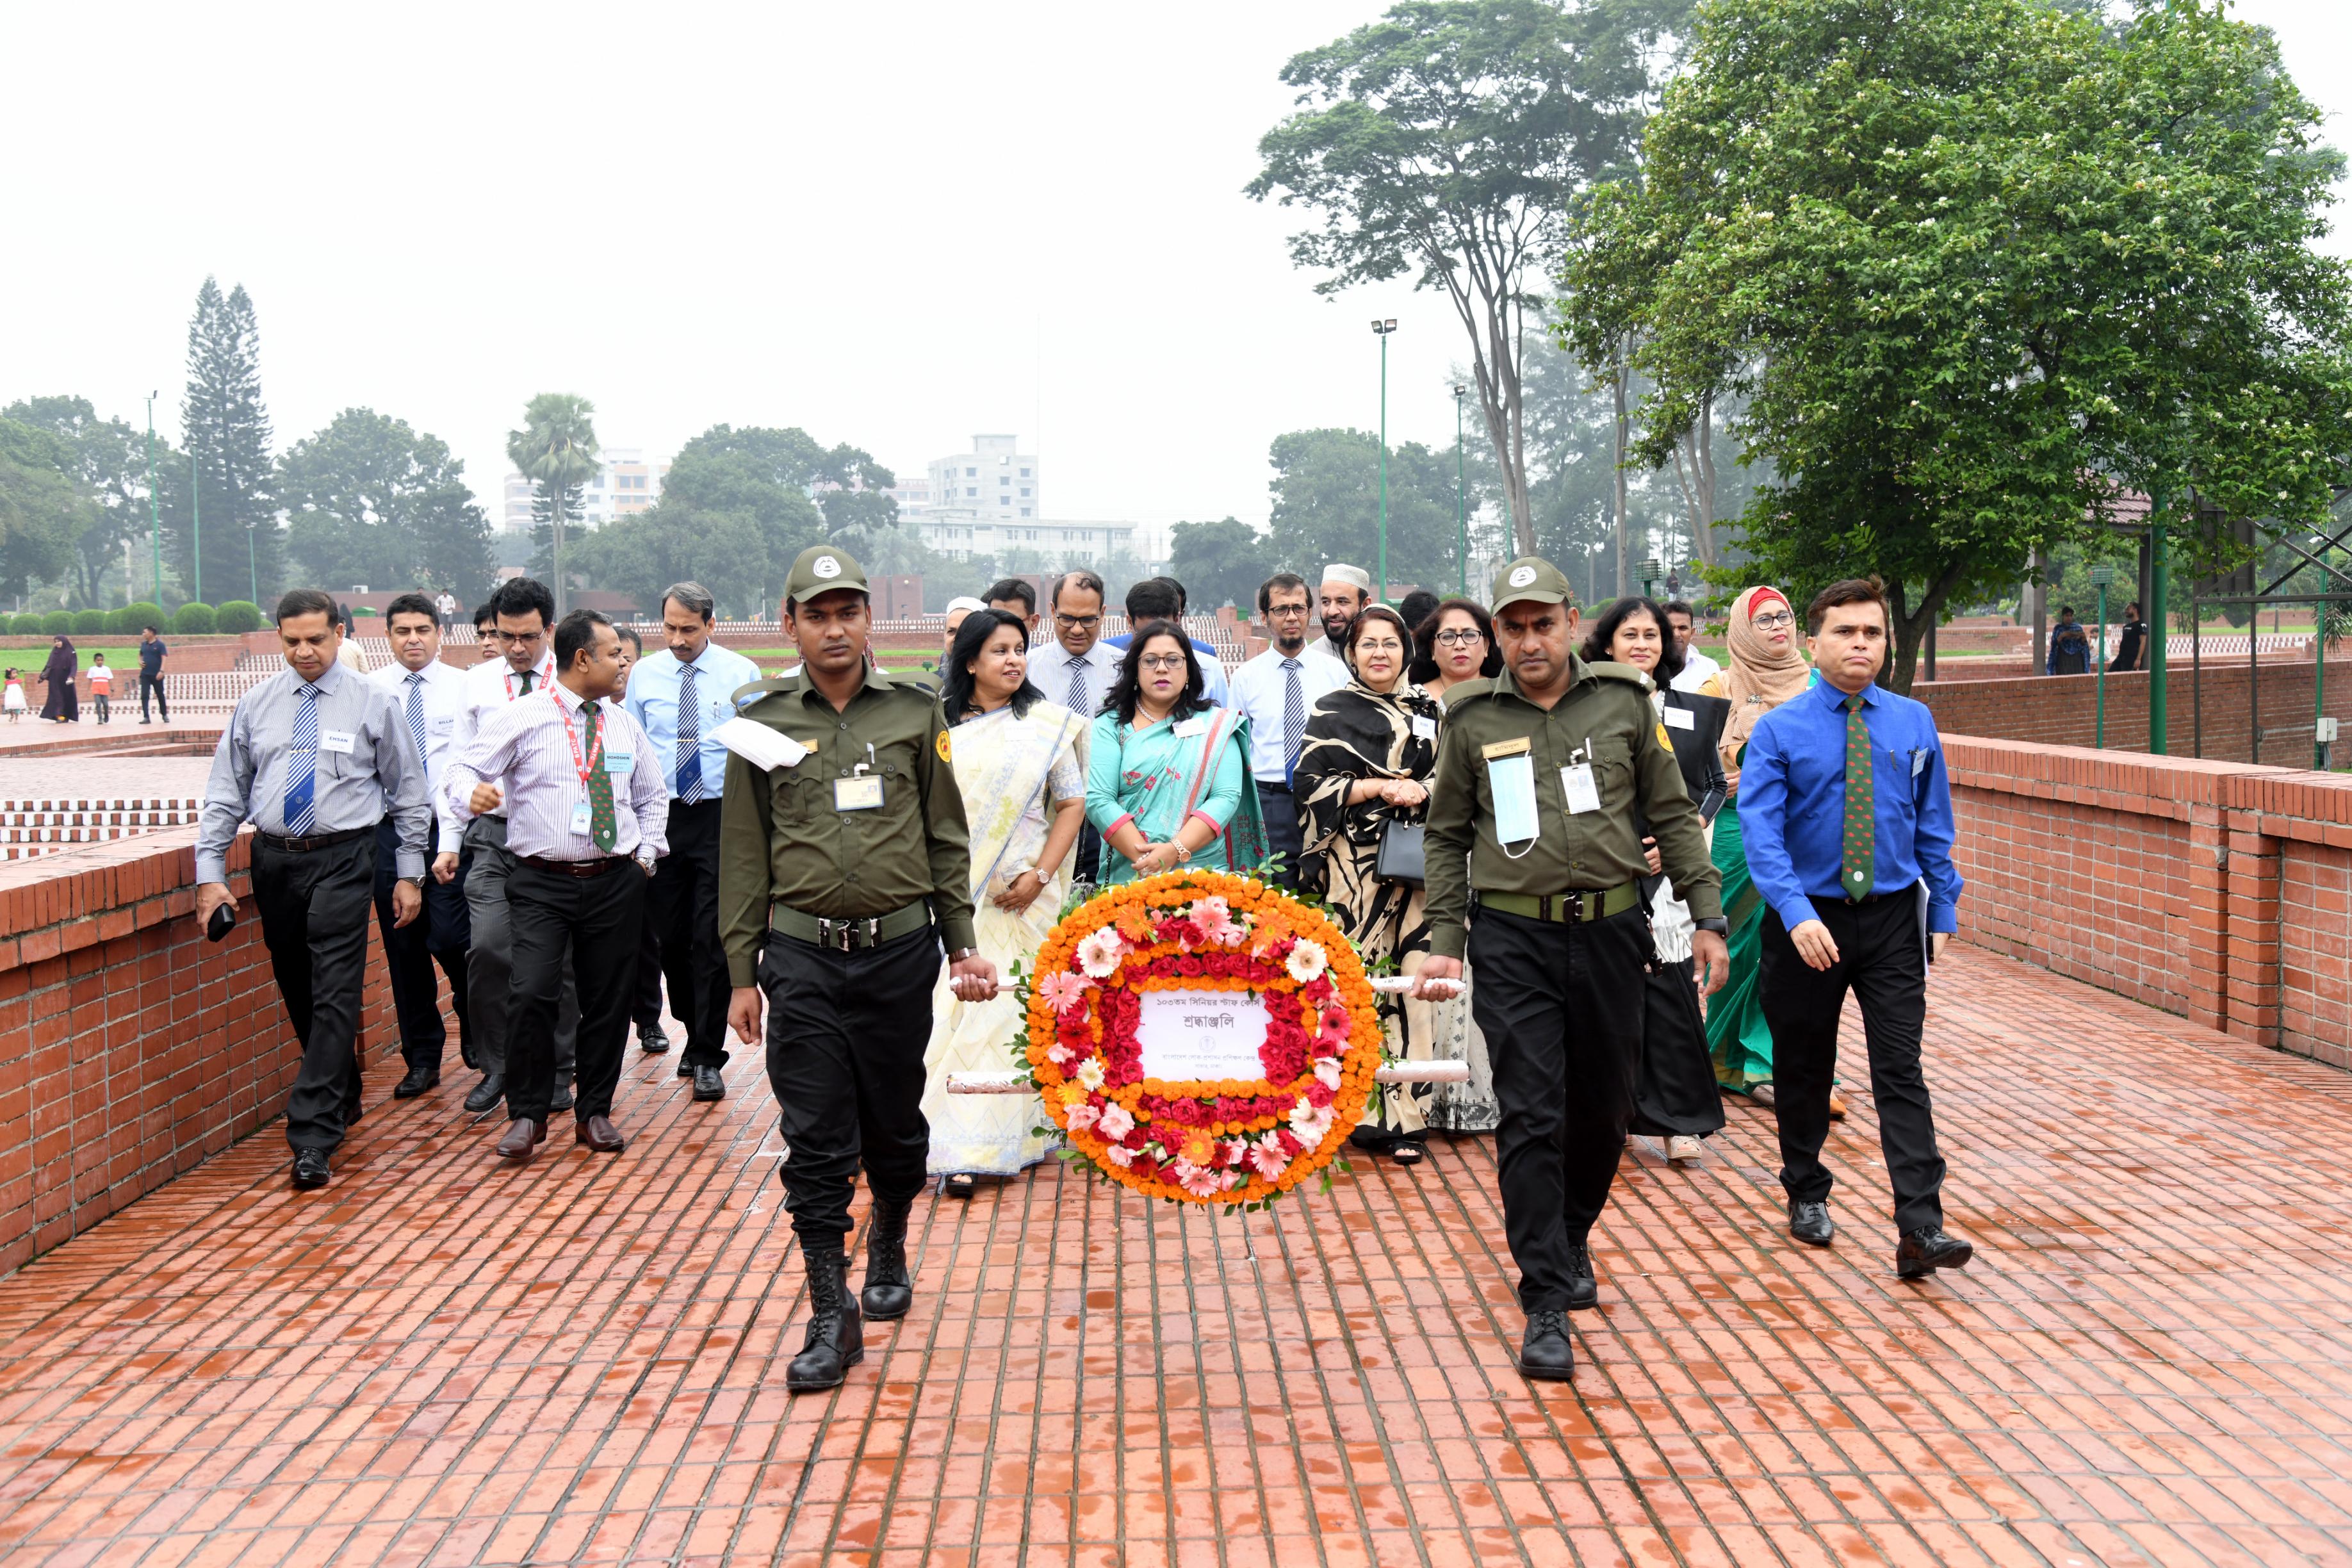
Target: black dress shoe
{"x": 652, "y": 1040}
{"x": 708, "y": 1085}
{"x": 487, "y": 1093}
{"x": 418, "y": 1081}
{"x": 890, "y": 1289}
{"x": 836, "y": 1339}
{"x": 597, "y": 1134}
{"x": 309, "y": 1169}
{"x": 1923, "y": 1251}
{"x": 1583, "y": 1290}
{"x": 685, "y": 1067}
{"x": 561, "y": 1100}
{"x": 520, "y": 1140}
{"x": 1546, "y": 1354}
{"x": 1811, "y": 1222}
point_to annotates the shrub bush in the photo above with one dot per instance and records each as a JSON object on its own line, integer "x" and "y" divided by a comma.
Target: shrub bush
{"x": 130, "y": 618}
{"x": 58, "y": 623}
{"x": 27, "y": 625}
{"x": 88, "y": 623}
{"x": 239, "y": 615}
{"x": 193, "y": 619}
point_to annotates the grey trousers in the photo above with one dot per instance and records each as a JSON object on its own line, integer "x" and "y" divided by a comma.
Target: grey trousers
{"x": 489, "y": 967}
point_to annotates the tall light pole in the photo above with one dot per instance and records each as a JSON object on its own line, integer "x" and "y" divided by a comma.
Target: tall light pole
{"x": 2100, "y": 577}
{"x": 252, "y": 572}
{"x": 1384, "y": 329}
{"x": 1461, "y": 496}
{"x": 195, "y": 527}
{"x": 154, "y": 509}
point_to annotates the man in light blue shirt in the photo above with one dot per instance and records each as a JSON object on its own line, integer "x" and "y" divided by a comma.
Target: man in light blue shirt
{"x": 1276, "y": 690}
{"x": 1847, "y": 814}
{"x": 681, "y": 697}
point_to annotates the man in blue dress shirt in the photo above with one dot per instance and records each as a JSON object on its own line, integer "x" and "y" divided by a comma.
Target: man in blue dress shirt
{"x": 1847, "y": 813}
{"x": 680, "y": 696}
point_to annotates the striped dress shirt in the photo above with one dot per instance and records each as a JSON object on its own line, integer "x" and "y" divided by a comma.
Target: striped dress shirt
{"x": 526, "y": 750}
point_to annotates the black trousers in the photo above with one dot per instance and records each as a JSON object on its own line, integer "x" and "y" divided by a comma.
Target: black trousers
{"x": 646, "y": 1007}
{"x": 685, "y": 915}
{"x": 1880, "y": 959}
{"x": 314, "y": 920}
{"x": 1283, "y": 836}
{"x": 154, "y": 683}
{"x": 586, "y": 927}
{"x": 489, "y": 980}
{"x": 441, "y": 932}
{"x": 1675, "y": 1093}
{"x": 846, "y": 1038}
{"x": 1086, "y": 855}
{"x": 1561, "y": 1007}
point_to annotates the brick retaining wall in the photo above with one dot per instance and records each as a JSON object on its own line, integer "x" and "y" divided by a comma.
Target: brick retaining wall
{"x": 2061, "y": 709}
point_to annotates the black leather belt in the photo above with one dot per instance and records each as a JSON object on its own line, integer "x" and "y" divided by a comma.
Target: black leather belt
{"x": 576, "y": 868}
{"x": 315, "y": 841}
{"x": 843, "y": 935}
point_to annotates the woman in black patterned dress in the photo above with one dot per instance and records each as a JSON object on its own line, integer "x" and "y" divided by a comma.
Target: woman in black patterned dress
{"x": 1371, "y": 750}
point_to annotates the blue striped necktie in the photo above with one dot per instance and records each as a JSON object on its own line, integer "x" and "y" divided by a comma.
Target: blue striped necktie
{"x": 689, "y": 738}
{"x": 1077, "y": 702}
{"x": 416, "y": 713}
{"x": 302, "y": 767}
{"x": 1293, "y": 718}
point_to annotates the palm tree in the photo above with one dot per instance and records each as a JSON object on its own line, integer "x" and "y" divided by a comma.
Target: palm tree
{"x": 556, "y": 450}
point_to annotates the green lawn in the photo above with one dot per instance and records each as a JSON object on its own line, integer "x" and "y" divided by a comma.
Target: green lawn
{"x": 30, "y": 659}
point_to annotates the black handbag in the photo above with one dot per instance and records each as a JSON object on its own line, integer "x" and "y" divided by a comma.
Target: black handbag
{"x": 1401, "y": 857}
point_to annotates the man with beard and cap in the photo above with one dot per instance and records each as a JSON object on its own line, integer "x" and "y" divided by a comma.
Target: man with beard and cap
{"x": 1344, "y": 591}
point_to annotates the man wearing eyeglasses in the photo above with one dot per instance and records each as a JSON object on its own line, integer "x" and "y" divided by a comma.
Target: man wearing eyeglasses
{"x": 1075, "y": 669}
{"x": 523, "y": 611}
{"x": 1276, "y": 690}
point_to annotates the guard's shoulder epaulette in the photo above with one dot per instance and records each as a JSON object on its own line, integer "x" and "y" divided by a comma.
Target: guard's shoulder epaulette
{"x": 1610, "y": 669}
{"x": 1461, "y": 691}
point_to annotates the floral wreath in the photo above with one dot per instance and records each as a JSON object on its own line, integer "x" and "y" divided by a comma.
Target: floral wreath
{"x": 1232, "y": 1140}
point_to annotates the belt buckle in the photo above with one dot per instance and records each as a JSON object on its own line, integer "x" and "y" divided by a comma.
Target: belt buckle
{"x": 874, "y": 932}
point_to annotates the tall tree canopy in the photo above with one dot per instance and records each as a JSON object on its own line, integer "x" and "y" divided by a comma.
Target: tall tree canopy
{"x": 226, "y": 433}
{"x": 1327, "y": 505}
{"x": 1446, "y": 142}
{"x": 556, "y": 451}
{"x": 1980, "y": 265}
{"x": 1220, "y": 563}
{"x": 370, "y": 500}
{"x": 42, "y": 508}
{"x": 109, "y": 466}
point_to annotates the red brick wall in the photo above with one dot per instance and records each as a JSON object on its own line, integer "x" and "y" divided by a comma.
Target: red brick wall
{"x": 131, "y": 1049}
{"x": 2061, "y": 709}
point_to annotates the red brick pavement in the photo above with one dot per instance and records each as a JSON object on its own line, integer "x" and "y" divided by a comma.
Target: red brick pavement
{"x": 438, "y": 1361}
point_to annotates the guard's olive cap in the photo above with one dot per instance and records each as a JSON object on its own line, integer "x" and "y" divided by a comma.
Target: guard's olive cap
{"x": 1533, "y": 579}
{"x": 820, "y": 569}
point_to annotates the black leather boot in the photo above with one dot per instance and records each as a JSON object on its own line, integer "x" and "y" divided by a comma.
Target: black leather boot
{"x": 889, "y": 1288}
{"x": 837, "y": 1340}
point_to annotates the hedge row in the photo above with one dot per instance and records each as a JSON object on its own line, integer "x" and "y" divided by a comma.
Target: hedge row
{"x": 189, "y": 620}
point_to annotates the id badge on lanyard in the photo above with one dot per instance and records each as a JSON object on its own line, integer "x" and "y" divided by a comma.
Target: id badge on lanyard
{"x": 584, "y": 765}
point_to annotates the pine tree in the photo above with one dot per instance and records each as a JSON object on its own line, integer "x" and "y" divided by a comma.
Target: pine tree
{"x": 226, "y": 432}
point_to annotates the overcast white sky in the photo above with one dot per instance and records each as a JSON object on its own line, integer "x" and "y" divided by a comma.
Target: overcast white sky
{"x": 891, "y": 223}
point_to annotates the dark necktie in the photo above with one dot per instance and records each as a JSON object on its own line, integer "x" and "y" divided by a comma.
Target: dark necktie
{"x": 526, "y": 683}
{"x": 417, "y": 714}
{"x": 601, "y": 827}
{"x": 1294, "y": 717}
{"x": 1858, "y": 867}
{"x": 1077, "y": 702}
{"x": 302, "y": 767}
{"x": 689, "y": 738}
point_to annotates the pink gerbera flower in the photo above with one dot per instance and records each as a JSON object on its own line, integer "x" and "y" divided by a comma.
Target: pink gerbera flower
{"x": 1062, "y": 991}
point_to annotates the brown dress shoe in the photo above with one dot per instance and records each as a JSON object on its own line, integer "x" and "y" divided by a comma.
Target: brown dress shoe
{"x": 598, "y": 1134}
{"x": 522, "y": 1136}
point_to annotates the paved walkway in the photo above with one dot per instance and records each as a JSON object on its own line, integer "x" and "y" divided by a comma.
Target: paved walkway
{"x": 439, "y": 1361}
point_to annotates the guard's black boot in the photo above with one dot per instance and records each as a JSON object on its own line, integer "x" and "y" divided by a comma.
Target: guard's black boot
{"x": 1583, "y": 1290}
{"x": 1545, "y": 1354}
{"x": 890, "y": 1289}
{"x": 837, "y": 1340}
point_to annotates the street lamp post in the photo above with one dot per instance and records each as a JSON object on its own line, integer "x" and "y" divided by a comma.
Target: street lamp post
{"x": 252, "y": 572}
{"x": 2159, "y": 584}
{"x": 1384, "y": 329}
{"x": 195, "y": 527}
{"x": 154, "y": 513}
{"x": 2100, "y": 577}
{"x": 1461, "y": 495}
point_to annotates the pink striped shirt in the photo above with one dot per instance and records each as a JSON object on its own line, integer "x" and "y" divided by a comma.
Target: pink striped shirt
{"x": 525, "y": 748}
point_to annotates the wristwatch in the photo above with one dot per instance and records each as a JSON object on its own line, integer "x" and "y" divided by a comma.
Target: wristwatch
{"x": 1182, "y": 854}
{"x": 416, "y": 882}
{"x": 1720, "y": 928}
{"x": 645, "y": 864}
{"x": 958, "y": 955}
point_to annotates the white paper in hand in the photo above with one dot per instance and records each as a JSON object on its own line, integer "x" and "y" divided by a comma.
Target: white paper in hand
{"x": 758, "y": 745}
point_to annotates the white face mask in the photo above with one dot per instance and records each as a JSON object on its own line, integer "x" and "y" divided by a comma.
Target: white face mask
{"x": 1512, "y": 782}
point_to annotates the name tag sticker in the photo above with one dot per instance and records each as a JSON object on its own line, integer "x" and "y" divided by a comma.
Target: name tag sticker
{"x": 1918, "y": 761}
{"x": 1425, "y": 727}
{"x": 1196, "y": 725}
{"x": 439, "y": 724}
{"x": 1583, "y": 793}
{"x": 1681, "y": 719}
{"x": 336, "y": 741}
{"x": 1519, "y": 747}
{"x": 1512, "y": 783}
{"x": 617, "y": 761}
{"x": 861, "y": 792}
{"x": 580, "y": 818}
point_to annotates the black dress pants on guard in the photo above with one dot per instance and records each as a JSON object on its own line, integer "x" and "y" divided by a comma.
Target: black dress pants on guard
{"x": 314, "y": 920}
{"x": 1561, "y": 1008}
{"x": 586, "y": 928}
{"x": 1880, "y": 958}
{"x": 846, "y": 1038}
{"x": 685, "y": 915}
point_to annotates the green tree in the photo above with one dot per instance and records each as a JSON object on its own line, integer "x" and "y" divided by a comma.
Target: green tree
{"x": 1448, "y": 141}
{"x": 109, "y": 466}
{"x": 1327, "y": 505}
{"x": 1220, "y": 563}
{"x": 237, "y": 616}
{"x": 370, "y": 500}
{"x": 1980, "y": 267}
{"x": 226, "y": 430}
{"x": 556, "y": 450}
{"x": 42, "y": 510}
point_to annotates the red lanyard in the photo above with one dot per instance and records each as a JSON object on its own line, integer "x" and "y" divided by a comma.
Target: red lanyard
{"x": 509, "y": 676}
{"x": 585, "y": 765}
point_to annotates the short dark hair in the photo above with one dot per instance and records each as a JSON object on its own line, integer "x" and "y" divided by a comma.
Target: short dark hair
{"x": 956, "y": 683}
{"x": 519, "y": 597}
{"x": 1081, "y": 578}
{"x": 410, "y": 605}
{"x": 157, "y": 630}
{"x": 1425, "y": 634}
{"x": 1127, "y": 685}
{"x": 1415, "y": 607}
{"x": 1851, "y": 590}
{"x": 486, "y": 614}
{"x": 1153, "y": 599}
{"x": 1682, "y": 607}
{"x": 302, "y": 601}
{"x": 1183, "y": 598}
{"x": 1604, "y": 632}
{"x": 2133, "y": 605}
{"x": 1014, "y": 588}
{"x": 630, "y": 632}
{"x": 1282, "y": 582}
{"x": 573, "y": 633}
{"x": 2066, "y": 609}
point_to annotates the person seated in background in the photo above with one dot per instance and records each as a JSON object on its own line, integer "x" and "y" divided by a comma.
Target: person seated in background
{"x": 2070, "y": 645}
{"x": 2134, "y": 637}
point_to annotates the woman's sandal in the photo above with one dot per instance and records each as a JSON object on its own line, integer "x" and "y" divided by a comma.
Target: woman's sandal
{"x": 962, "y": 1184}
{"x": 1408, "y": 1154}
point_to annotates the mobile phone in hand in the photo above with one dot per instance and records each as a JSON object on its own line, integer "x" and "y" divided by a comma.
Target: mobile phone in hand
{"x": 217, "y": 927}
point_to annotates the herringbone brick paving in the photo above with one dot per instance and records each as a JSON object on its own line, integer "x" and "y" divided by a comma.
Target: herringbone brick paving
{"x": 438, "y": 1361}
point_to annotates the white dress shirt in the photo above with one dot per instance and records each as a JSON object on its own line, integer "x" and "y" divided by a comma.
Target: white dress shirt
{"x": 652, "y": 697}
{"x": 533, "y": 749}
{"x": 1261, "y": 693}
{"x": 1051, "y": 666}
{"x": 488, "y": 687}
{"x": 439, "y": 694}
{"x": 1697, "y": 671}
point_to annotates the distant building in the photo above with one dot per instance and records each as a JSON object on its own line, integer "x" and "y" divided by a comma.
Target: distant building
{"x": 1074, "y": 541}
{"x": 993, "y": 480}
{"x": 624, "y": 484}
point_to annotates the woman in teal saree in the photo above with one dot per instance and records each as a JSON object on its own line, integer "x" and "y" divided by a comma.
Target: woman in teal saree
{"x": 1168, "y": 778}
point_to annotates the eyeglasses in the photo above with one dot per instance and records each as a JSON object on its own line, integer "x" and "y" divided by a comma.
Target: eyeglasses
{"x": 1163, "y": 660}
{"x": 1285, "y": 611}
{"x": 1777, "y": 619}
{"x": 1077, "y": 623}
{"x": 1461, "y": 635}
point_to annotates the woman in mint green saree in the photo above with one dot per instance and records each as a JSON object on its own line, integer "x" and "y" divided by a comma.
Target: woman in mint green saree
{"x": 1168, "y": 778}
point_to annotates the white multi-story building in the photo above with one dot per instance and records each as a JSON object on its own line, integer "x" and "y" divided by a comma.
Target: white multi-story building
{"x": 1050, "y": 544}
{"x": 995, "y": 480}
{"x": 626, "y": 483}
